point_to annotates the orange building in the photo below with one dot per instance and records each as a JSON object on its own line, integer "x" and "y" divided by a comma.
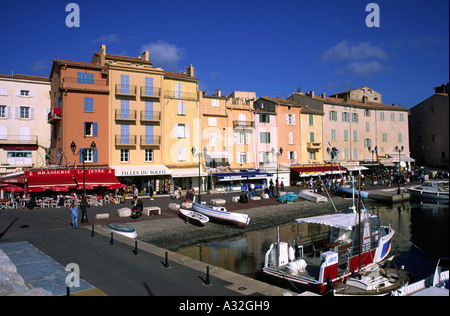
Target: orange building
{"x": 79, "y": 108}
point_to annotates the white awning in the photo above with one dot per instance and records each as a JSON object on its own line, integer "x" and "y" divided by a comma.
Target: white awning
{"x": 143, "y": 170}
{"x": 341, "y": 220}
{"x": 187, "y": 172}
{"x": 219, "y": 155}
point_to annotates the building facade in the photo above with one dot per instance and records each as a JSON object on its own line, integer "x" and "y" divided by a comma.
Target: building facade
{"x": 24, "y": 134}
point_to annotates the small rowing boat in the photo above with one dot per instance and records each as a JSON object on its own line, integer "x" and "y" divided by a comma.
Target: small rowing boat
{"x": 193, "y": 217}
{"x": 122, "y": 229}
{"x": 220, "y": 214}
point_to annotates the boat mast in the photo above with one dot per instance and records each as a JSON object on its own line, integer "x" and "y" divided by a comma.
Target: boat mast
{"x": 359, "y": 214}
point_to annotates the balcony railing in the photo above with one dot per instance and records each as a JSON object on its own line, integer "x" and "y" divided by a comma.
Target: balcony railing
{"x": 125, "y": 140}
{"x": 20, "y": 139}
{"x": 313, "y": 146}
{"x": 147, "y": 116}
{"x": 122, "y": 89}
{"x": 150, "y": 92}
{"x": 54, "y": 115}
{"x": 180, "y": 95}
{"x": 149, "y": 141}
{"x": 125, "y": 115}
{"x": 243, "y": 124}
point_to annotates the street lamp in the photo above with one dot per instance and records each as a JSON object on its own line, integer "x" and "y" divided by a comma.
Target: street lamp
{"x": 83, "y": 152}
{"x": 278, "y": 154}
{"x": 333, "y": 152}
{"x": 399, "y": 150}
{"x": 373, "y": 151}
{"x": 199, "y": 154}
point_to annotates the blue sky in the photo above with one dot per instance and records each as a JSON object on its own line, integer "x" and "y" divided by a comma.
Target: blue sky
{"x": 271, "y": 47}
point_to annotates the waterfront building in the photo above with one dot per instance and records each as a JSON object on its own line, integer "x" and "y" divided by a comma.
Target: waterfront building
{"x": 429, "y": 130}
{"x": 24, "y": 134}
{"x": 181, "y": 127}
{"x": 134, "y": 120}
{"x": 358, "y": 127}
{"x": 79, "y": 109}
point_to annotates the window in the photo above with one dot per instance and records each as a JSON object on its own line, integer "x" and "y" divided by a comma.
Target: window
{"x": 124, "y": 109}
{"x": 125, "y": 84}
{"x": 24, "y": 112}
{"x": 181, "y": 130}
{"x": 24, "y": 93}
{"x": 311, "y": 119}
{"x": 292, "y": 155}
{"x": 124, "y": 134}
{"x": 86, "y": 78}
{"x": 215, "y": 102}
{"x": 89, "y": 156}
{"x": 181, "y": 110}
{"x": 355, "y": 153}
{"x": 19, "y": 157}
{"x": 241, "y": 157}
{"x": 178, "y": 91}
{"x": 346, "y": 135}
{"x": 212, "y": 139}
{"x": 181, "y": 153}
{"x": 345, "y": 117}
{"x": 291, "y": 138}
{"x": 333, "y": 116}
{"x": 367, "y": 142}
{"x": 148, "y": 155}
{"x": 311, "y": 137}
{"x": 401, "y": 118}
{"x": 2, "y": 110}
{"x": 90, "y": 129}
{"x": 367, "y": 127}
{"x": 239, "y": 138}
{"x": 384, "y": 137}
{"x": 149, "y": 86}
{"x": 367, "y": 112}
{"x": 124, "y": 155}
{"x": 265, "y": 157}
{"x": 290, "y": 119}
{"x": 381, "y": 116}
{"x": 400, "y": 137}
{"x": 392, "y": 116}
{"x": 346, "y": 153}
{"x": 148, "y": 114}
{"x": 212, "y": 121}
{"x": 264, "y": 118}
{"x": 312, "y": 155}
{"x": 264, "y": 137}
{"x": 355, "y": 117}
{"x": 149, "y": 135}
{"x": 355, "y": 136}
{"x": 89, "y": 104}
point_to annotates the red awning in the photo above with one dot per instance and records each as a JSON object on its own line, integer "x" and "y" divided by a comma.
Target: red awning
{"x": 42, "y": 180}
{"x": 97, "y": 178}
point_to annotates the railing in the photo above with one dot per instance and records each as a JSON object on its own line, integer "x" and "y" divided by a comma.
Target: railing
{"x": 54, "y": 114}
{"x": 20, "y": 139}
{"x": 125, "y": 140}
{"x": 180, "y": 95}
{"x": 147, "y": 116}
{"x": 126, "y": 115}
{"x": 243, "y": 124}
{"x": 150, "y": 92}
{"x": 153, "y": 140}
{"x": 126, "y": 89}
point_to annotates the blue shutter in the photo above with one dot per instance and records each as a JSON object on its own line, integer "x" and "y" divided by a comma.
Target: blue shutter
{"x": 149, "y": 139}
{"x": 88, "y": 104}
{"x": 125, "y": 83}
{"x": 95, "y": 129}
{"x": 124, "y": 134}
{"x": 96, "y": 155}
{"x": 149, "y": 86}
{"x": 79, "y": 77}
{"x": 148, "y": 115}
{"x": 80, "y": 154}
{"x": 125, "y": 109}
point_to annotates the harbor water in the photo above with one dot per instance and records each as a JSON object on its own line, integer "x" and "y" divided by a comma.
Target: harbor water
{"x": 421, "y": 238}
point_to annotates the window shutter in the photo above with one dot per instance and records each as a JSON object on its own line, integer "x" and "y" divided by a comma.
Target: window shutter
{"x": 95, "y": 129}
{"x": 248, "y": 157}
{"x": 32, "y": 113}
{"x": 96, "y": 155}
{"x": 247, "y": 138}
{"x": 175, "y": 128}
{"x": 186, "y": 134}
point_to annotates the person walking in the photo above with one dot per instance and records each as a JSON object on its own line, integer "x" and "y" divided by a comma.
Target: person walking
{"x": 74, "y": 214}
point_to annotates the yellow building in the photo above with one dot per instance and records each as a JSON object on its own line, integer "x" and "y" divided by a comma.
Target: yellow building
{"x": 181, "y": 127}
{"x": 135, "y": 113}
{"x": 311, "y": 134}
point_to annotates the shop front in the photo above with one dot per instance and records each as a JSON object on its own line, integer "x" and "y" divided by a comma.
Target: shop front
{"x": 239, "y": 180}
{"x": 155, "y": 179}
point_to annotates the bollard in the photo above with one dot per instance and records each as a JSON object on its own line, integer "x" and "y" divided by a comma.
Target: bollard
{"x": 207, "y": 282}
{"x": 67, "y": 291}
{"x": 135, "y": 251}
{"x": 92, "y": 231}
{"x": 166, "y": 263}
{"x": 111, "y": 242}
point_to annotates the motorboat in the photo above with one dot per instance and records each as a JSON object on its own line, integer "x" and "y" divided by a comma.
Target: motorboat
{"x": 289, "y": 197}
{"x": 329, "y": 249}
{"x": 431, "y": 189}
{"x": 378, "y": 279}
{"x": 309, "y": 195}
{"x": 434, "y": 285}
{"x": 193, "y": 217}
{"x": 220, "y": 214}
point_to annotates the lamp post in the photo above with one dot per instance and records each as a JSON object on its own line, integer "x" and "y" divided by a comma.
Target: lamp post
{"x": 333, "y": 152}
{"x": 83, "y": 152}
{"x": 199, "y": 154}
{"x": 373, "y": 151}
{"x": 399, "y": 150}
{"x": 278, "y": 154}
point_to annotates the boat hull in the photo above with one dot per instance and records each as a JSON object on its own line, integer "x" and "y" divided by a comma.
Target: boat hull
{"x": 288, "y": 198}
{"x": 219, "y": 214}
{"x": 428, "y": 195}
{"x": 193, "y": 217}
{"x": 348, "y": 192}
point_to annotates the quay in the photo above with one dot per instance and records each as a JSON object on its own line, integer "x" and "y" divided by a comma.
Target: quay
{"x": 389, "y": 195}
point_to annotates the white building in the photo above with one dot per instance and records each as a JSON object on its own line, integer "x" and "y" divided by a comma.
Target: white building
{"x": 24, "y": 132}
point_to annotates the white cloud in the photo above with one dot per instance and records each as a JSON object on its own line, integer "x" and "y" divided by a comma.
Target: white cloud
{"x": 365, "y": 69}
{"x": 164, "y": 54}
{"x": 41, "y": 66}
{"x": 344, "y": 51}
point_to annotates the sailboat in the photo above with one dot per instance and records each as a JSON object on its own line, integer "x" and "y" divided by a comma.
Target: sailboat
{"x": 352, "y": 240}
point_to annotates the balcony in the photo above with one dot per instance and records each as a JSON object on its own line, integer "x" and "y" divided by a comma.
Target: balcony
{"x": 125, "y": 115}
{"x": 313, "y": 146}
{"x": 54, "y": 116}
{"x": 126, "y": 90}
{"x": 84, "y": 84}
{"x": 150, "y": 141}
{"x": 180, "y": 95}
{"x": 125, "y": 140}
{"x": 150, "y": 92}
{"x": 243, "y": 124}
{"x": 19, "y": 140}
{"x": 150, "y": 117}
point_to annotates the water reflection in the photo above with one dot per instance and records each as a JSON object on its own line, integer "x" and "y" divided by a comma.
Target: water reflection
{"x": 422, "y": 236}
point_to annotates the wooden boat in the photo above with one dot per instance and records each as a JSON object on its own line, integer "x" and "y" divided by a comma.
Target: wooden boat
{"x": 193, "y": 217}
{"x": 122, "y": 229}
{"x": 289, "y": 197}
{"x": 220, "y": 214}
{"x": 432, "y": 189}
{"x": 309, "y": 195}
{"x": 373, "y": 280}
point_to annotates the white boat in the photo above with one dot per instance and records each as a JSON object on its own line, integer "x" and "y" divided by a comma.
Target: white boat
{"x": 193, "y": 217}
{"x": 122, "y": 229}
{"x": 434, "y": 285}
{"x": 309, "y": 195}
{"x": 220, "y": 214}
{"x": 431, "y": 189}
{"x": 374, "y": 280}
{"x": 331, "y": 254}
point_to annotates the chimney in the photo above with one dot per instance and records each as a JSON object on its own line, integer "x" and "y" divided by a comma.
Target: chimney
{"x": 190, "y": 71}
{"x": 323, "y": 95}
{"x": 219, "y": 93}
{"x": 364, "y": 99}
{"x": 311, "y": 93}
{"x": 103, "y": 49}
{"x": 145, "y": 56}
